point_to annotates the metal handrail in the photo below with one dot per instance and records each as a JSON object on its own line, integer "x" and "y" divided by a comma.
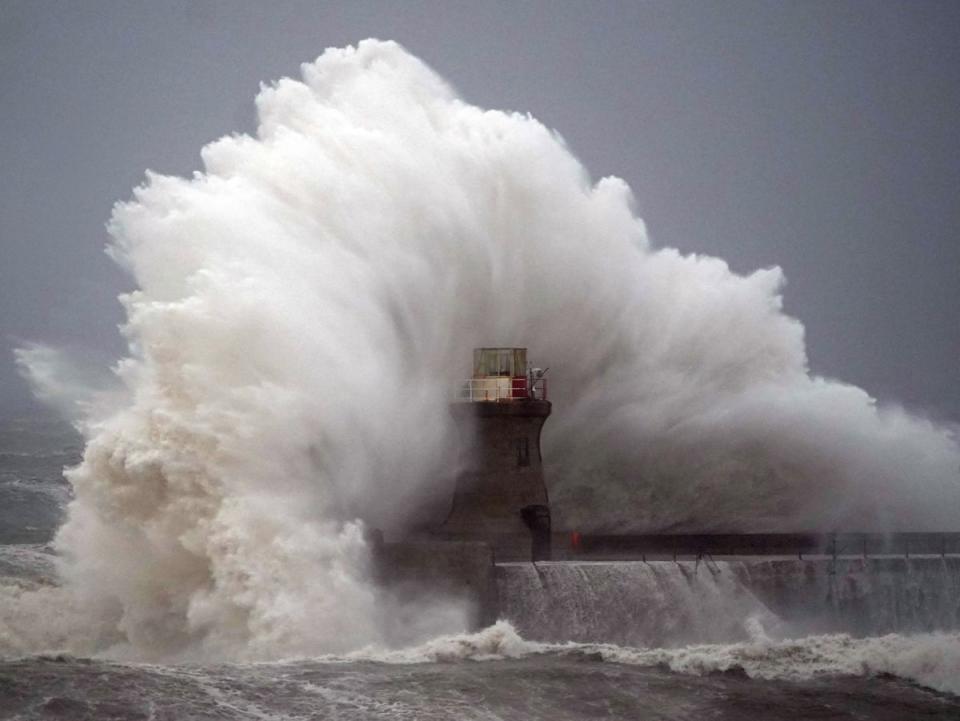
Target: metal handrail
{"x": 501, "y": 388}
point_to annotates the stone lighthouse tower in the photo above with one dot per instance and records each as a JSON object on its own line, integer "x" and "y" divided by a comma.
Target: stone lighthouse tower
{"x": 501, "y": 497}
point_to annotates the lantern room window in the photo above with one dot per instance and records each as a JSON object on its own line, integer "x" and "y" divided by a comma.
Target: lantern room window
{"x": 499, "y": 362}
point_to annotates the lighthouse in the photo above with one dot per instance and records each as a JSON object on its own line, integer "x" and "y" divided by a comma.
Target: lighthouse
{"x": 500, "y": 497}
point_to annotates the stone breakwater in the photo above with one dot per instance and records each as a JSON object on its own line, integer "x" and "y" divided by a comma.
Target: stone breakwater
{"x": 667, "y": 603}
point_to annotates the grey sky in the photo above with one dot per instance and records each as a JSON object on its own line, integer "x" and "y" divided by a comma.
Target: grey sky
{"x": 822, "y": 137}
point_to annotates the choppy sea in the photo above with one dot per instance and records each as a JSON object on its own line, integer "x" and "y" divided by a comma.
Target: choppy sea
{"x": 493, "y": 674}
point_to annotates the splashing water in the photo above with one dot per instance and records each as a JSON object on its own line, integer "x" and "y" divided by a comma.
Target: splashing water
{"x": 932, "y": 659}
{"x": 307, "y": 303}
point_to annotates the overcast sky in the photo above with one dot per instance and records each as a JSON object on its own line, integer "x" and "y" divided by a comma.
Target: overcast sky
{"x": 818, "y": 136}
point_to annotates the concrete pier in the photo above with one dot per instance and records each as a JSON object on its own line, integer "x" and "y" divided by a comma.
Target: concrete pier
{"x": 462, "y": 572}
{"x": 663, "y": 603}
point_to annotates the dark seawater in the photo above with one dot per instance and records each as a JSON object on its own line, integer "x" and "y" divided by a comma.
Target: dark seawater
{"x": 556, "y": 687}
{"x": 33, "y": 492}
{"x": 562, "y": 684}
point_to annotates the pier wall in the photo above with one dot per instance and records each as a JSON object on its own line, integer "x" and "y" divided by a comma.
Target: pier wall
{"x": 667, "y": 603}
{"x": 460, "y": 571}
{"x": 694, "y": 598}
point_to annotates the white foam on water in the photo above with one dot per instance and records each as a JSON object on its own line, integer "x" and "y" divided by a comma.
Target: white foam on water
{"x": 37, "y": 617}
{"x": 498, "y": 641}
{"x": 930, "y": 659}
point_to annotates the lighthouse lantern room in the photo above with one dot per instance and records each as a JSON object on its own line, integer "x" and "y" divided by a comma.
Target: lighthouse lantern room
{"x": 503, "y": 375}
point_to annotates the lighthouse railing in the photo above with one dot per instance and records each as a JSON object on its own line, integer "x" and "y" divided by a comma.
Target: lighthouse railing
{"x": 498, "y": 389}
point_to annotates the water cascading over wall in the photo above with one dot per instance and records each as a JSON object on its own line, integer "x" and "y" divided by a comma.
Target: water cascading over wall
{"x": 861, "y": 596}
{"x": 630, "y": 603}
{"x": 663, "y": 603}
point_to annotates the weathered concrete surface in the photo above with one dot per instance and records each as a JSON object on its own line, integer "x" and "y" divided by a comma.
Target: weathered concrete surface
{"x": 859, "y": 595}
{"x": 462, "y": 572}
{"x": 663, "y": 603}
{"x": 504, "y": 475}
{"x": 666, "y": 602}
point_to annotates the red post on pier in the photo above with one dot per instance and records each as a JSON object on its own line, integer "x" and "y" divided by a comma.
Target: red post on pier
{"x": 575, "y": 541}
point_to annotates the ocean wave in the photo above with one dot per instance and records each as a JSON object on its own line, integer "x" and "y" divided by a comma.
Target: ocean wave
{"x": 929, "y": 659}
{"x": 495, "y": 642}
{"x": 31, "y": 560}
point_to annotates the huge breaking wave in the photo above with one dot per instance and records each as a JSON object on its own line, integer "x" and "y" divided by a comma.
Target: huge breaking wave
{"x": 304, "y": 307}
